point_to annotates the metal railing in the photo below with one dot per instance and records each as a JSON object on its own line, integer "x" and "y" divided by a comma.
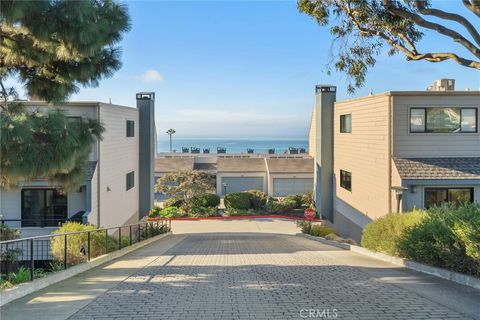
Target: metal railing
{"x": 53, "y": 252}
{"x": 22, "y": 223}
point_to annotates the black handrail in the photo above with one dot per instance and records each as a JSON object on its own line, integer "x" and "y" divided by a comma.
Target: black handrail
{"x": 16, "y": 247}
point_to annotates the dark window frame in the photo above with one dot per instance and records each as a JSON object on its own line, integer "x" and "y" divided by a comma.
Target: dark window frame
{"x": 43, "y": 220}
{"x": 342, "y": 123}
{"x": 130, "y": 180}
{"x": 345, "y": 183}
{"x": 130, "y": 125}
{"x": 425, "y": 117}
{"x": 471, "y": 189}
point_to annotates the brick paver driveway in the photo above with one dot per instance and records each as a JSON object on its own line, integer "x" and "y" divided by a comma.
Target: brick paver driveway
{"x": 268, "y": 276}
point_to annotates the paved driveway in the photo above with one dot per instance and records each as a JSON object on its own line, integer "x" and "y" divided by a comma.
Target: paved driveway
{"x": 260, "y": 276}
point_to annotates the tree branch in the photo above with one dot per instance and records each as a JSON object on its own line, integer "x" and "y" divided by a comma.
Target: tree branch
{"x": 417, "y": 19}
{"x": 473, "y": 6}
{"x": 449, "y": 16}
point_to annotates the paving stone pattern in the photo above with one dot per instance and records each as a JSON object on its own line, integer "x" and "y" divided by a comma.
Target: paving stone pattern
{"x": 256, "y": 277}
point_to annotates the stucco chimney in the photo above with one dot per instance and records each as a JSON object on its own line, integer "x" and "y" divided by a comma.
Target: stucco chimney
{"x": 146, "y": 115}
{"x": 323, "y": 178}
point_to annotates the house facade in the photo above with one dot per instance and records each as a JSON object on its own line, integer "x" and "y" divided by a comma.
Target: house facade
{"x": 111, "y": 194}
{"x": 394, "y": 152}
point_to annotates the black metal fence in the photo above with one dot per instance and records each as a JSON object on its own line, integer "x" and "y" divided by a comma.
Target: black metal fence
{"x": 53, "y": 252}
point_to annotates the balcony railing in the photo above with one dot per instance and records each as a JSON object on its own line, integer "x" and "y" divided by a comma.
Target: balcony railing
{"x": 21, "y": 223}
{"x": 49, "y": 253}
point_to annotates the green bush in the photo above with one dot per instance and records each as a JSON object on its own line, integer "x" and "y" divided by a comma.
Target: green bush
{"x": 240, "y": 212}
{"x": 241, "y": 200}
{"x": 154, "y": 212}
{"x": 308, "y": 200}
{"x": 75, "y": 242}
{"x": 7, "y": 233}
{"x": 22, "y": 275}
{"x": 203, "y": 212}
{"x": 280, "y": 206}
{"x": 447, "y": 237}
{"x": 295, "y": 200}
{"x": 383, "y": 234}
{"x": 258, "y": 199}
{"x": 174, "y": 202}
{"x": 169, "y": 212}
{"x": 207, "y": 200}
{"x": 320, "y": 230}
{"x": 305, "y": 226}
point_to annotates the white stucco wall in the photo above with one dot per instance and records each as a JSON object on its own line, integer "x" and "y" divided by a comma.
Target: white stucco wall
{"x": 241, "y": 174}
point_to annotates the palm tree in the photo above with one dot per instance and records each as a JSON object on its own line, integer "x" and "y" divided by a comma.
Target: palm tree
{"x": 170, "y": 132}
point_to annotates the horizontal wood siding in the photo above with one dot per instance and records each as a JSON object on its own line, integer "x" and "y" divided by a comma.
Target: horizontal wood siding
{"x": 406, "y": 144}
{"x": 364, "y": 153}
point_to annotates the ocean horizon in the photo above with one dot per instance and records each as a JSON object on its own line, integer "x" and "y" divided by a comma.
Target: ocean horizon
{"x": 234, "y": 145}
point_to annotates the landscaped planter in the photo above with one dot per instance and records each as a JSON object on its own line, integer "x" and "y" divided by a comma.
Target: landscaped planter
{"x": 413, "y": 265}
{"x": 237, "y": 218}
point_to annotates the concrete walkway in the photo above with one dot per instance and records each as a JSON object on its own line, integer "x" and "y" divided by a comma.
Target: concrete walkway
{"x": 247, "y": 276}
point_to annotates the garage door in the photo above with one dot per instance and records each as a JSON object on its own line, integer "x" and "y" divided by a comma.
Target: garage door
{"x": 239, "y": 184}
{"x": 285, "y": 186}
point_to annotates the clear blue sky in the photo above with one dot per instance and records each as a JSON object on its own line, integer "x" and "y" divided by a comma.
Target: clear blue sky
{"x": 243, "y": 69}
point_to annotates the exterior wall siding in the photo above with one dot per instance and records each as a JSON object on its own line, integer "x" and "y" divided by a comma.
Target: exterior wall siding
{"x": 364, "y": 153}
{"x": 273, "y": 176}
{"x": 118, "y": 156}
{"x": 223, "y": 175}
{"x": 406, "y": 144}
{"x": 312, "y": 139}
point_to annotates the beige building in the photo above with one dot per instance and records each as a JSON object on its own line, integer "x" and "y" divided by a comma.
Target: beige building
{"x": 395, "y": 151}
{"x": 111, "y": 193}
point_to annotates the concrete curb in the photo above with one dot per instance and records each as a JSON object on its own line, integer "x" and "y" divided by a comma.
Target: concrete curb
{"x": 409, "y": 264}
{"x": 26, "y": 288}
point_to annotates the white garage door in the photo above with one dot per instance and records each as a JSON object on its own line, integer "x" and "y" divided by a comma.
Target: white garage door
{"x": 285, "y": 186}
{"x": 239, "y": 184}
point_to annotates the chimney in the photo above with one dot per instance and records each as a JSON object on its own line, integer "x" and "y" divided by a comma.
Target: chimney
{"x": 442, "y": 85}
{"x": 323, "y": 178}
{"x": 146, "y": 115}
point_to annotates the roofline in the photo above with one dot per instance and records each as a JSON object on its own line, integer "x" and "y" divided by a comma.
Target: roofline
{"x": 412, "y": 93}
{"x": 71, "y": 104}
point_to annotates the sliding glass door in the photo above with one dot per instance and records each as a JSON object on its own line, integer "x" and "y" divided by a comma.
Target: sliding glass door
{"x": 43, "y": 207}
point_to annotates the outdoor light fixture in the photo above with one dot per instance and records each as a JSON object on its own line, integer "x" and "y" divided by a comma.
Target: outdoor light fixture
{"x": 413, "y": 189}
{"x": 225, "y": 185}
{"x": 399, "y": 195}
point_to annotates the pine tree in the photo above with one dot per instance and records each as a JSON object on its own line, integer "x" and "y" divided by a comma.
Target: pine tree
{"x": 53, "y": 48}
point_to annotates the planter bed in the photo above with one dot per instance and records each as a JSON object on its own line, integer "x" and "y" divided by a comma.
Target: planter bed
{"x": 237, "y": 218}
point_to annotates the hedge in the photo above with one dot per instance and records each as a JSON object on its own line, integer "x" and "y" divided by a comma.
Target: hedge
{"x": 446, "y": 237}
{"x": 258, "y": 199}
{"x": 207, "y": 200}
{"x": 241, "y": 200}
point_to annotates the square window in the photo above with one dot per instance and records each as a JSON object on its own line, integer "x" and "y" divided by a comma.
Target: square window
{"x": 346, "y": 123}
{"x": 417, "y": 120}
{"x": 469, "y": 120}
{"x": 346, "y": 180}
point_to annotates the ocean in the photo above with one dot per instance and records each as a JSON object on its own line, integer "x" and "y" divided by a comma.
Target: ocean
{"x": 233, "y": 145}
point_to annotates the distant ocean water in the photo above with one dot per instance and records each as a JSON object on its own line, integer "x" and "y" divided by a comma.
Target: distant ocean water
{"x": 233, "y": 145}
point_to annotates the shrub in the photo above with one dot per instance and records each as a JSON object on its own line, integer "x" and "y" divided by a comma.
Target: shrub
{"x": 308, "y": 200}
{"x": 22, "y": 275}
{"x": 295, "y": 200}
{"x": 7, "y": 233}
{"x": 447, "y": 237}
{"x": 240, "y": 212}
{"x": 320, "y": 230}
{"x": 205, "y": 200}
{"x": 305, "y": 226}
{"x": 383, "y": 234}
{"x": 258, "y": 199}
{"x": 169, "y": 212}
{"x": 203, "y": 212}
{"x": 279, "y": 206}
{"x": 174, "y": 202}
{"x": 241, "y": 200}
{"x": 154, "y": 212}
{"x": 75, "y": 243}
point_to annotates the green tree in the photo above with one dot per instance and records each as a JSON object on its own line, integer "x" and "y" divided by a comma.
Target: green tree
{"x": 52, "y": 48}
{"x": 362, "y": 28}
{"x": 185, "y": 184}
{"x": 170, "y": 132}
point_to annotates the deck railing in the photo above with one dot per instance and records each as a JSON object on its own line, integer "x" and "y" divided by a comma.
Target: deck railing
{"x": 53, "y": 252}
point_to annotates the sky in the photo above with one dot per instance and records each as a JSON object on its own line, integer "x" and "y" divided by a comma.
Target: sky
{"x": 246, "y": 69}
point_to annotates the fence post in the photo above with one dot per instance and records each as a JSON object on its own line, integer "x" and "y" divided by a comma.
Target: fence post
{"x": 32, "y": 262}
{"x": 119, "y": 238}
{"x": 130, "y": 236}
{"x": 88, "y": 246}
{"x": 65, "y": 252}
{"x": 106, "y": 241}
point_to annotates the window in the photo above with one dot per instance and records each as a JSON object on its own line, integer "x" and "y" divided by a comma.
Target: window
{"x": 346, "y": 123}
{"x": 439, "y": 196}
{"x": 76, "y": 120}
{"x": 130, "y": 180}
{"x": 443, "y": 120}
{"x": 346, "y": 180}
{"x": 43, "y": 207}
{"x": 130, "y": 128}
